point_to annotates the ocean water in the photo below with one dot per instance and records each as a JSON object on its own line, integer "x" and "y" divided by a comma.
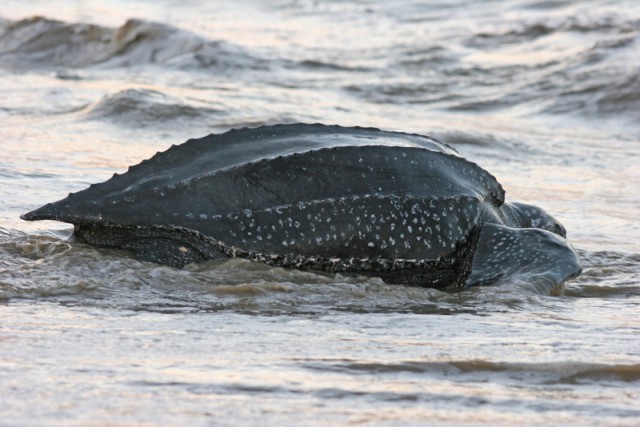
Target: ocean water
{"x": 544, "y": 94}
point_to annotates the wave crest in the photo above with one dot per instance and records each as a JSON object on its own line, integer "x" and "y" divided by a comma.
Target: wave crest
{"x": 140, "y": 106}
{"x": 42, "y": 42}
{"x": 564, "y": 372}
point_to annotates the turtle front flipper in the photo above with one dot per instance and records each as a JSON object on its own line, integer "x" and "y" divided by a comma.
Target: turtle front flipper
{"x": 537, "y": 256}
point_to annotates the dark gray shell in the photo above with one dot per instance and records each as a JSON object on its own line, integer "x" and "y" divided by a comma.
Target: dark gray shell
{"x": 306, "y": 195}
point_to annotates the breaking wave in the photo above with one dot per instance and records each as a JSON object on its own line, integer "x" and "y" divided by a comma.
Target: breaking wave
{"x": 141, "y": 106}
{"x": 44, "y": 43}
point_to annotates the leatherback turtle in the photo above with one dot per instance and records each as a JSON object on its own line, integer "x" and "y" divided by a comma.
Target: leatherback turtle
{"x": 403, "y": 207}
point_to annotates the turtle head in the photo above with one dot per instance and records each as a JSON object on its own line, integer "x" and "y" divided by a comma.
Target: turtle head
{"x": 523, "y": 215}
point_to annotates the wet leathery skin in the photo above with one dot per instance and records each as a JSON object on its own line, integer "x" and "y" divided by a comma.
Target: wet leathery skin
{"x": 177, "y": 247}
{"x": 403, "y": 207}
{"x": 529, "y": 253}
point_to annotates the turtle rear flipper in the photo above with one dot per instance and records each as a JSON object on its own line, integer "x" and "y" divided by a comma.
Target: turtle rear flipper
{"x": 173, "y": 246}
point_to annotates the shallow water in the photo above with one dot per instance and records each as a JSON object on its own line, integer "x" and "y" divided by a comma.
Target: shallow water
{"x": 543, "y": 94}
